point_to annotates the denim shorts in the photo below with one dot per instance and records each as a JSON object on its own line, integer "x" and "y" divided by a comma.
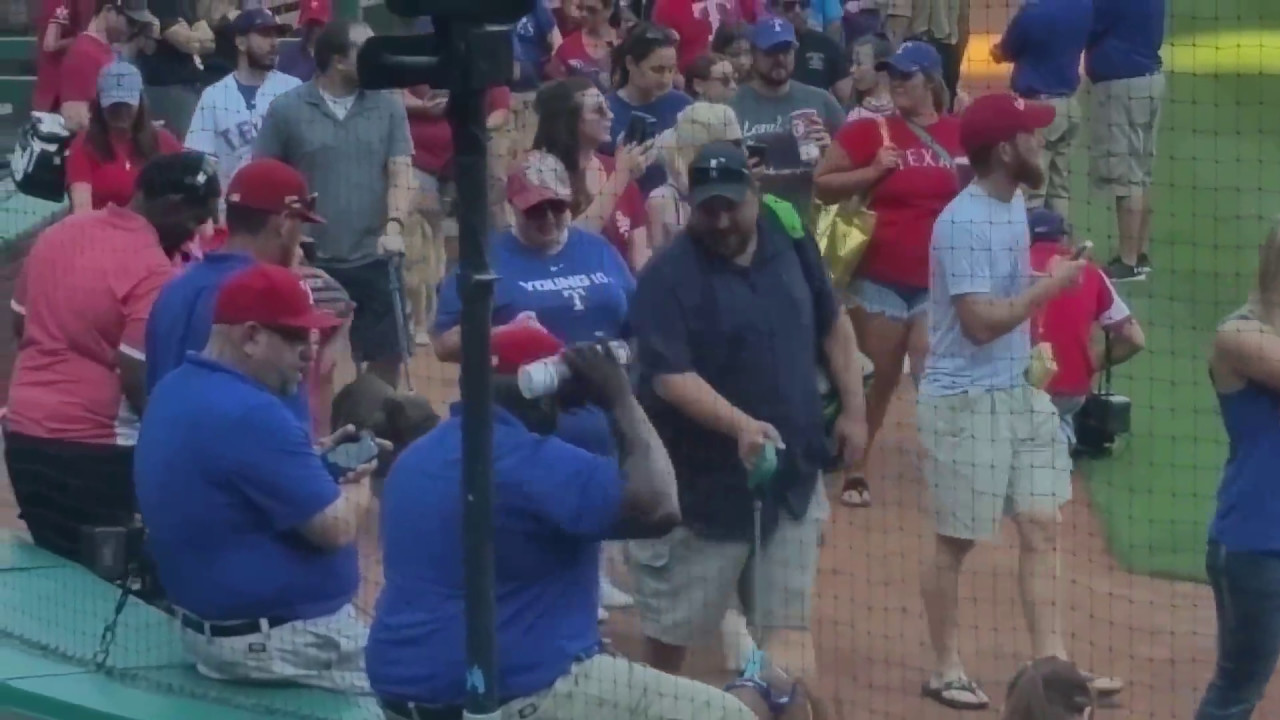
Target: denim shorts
{"x": 893, "y": 300}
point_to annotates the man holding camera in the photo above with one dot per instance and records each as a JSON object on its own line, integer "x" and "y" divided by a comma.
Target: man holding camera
{"x": 252, "y": 538}
{"x": 554, "y": 504}
{"x": 734, "y": 320}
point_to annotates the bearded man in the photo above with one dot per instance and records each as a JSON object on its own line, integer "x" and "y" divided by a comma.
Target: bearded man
{"x": 991, "y": 437}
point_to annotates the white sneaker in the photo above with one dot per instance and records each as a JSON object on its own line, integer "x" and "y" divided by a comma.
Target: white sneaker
{"x": 602, "y": 614}
{"x": 736, "y": 641}
{"x": 612, "y": 597}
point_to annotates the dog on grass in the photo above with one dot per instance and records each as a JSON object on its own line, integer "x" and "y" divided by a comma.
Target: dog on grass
{"x": 369, "y": 403}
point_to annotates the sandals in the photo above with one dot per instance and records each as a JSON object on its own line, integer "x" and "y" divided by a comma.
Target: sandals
{"x": 958, "y": 693}
{"x": 855, "y": 493}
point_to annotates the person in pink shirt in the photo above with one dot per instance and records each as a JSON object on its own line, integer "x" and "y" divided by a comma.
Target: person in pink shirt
{"x": 80, "y": 309}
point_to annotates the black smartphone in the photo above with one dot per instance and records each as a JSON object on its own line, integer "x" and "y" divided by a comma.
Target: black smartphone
{"x": 346, "y": 457}
{"x": 639, "y": 130}
{"x": 756, "y": 152}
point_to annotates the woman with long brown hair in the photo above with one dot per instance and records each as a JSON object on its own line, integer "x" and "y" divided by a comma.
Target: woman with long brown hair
{"x": 573, "y": 122}
{"x": 903, "y": 166}
{"x": 103, "y": 162}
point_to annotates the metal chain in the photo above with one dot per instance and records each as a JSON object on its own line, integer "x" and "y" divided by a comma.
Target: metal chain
{"x": 109, "y": 630}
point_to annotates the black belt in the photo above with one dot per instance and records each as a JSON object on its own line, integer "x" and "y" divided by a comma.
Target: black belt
{"x": 415, "y": 711}
{"x": 237, "y": 628}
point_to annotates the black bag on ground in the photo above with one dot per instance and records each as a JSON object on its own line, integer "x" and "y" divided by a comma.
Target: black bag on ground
{"x": 1104, "y": 417}
{"x": 39, "y": 158}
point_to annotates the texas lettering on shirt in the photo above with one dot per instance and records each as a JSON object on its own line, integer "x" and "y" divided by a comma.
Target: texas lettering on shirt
{"x": 242, "y": 134}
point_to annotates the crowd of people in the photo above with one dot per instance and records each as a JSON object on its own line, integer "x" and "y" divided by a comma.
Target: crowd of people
{"x": 243, "y": 219}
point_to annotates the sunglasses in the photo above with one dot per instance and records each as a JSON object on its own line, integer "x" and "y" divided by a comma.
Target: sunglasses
{"x": 541, "y": 210}
{"x": 301, "y": 205}
{"x": 657, "y": 34}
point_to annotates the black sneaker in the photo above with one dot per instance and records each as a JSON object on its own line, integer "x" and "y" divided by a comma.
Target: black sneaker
{"x": 1144, "y": 263}
{"x": 1121, "y": 271}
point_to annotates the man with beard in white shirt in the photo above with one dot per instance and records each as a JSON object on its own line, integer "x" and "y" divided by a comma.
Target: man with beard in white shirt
{"x": 230, "y": 111}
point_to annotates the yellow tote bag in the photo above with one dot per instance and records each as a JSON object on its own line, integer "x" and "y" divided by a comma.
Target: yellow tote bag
{"x": 844, "y": 229}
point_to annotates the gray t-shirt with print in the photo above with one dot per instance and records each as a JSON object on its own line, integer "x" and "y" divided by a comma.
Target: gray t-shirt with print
{"x": 767, "y": 119}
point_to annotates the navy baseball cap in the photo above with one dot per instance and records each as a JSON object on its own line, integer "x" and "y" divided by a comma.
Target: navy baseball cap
{"x": 913, "y": 57}
{"x": 719, "y": 170}
{"x": 770, "y": 32}
{"x": 259, "y": 20}
{"x": 1046, "y": 224}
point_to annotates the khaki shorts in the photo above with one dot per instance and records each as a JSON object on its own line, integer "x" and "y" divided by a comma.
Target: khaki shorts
{"x": 683, "y": 584}
{"x": 607, "y": 686}
{"x": 1055, "y": 158}
{"x": 325, "y": 652}
{"x": 1123, "y": 120}
{"x": 991, "y": 454}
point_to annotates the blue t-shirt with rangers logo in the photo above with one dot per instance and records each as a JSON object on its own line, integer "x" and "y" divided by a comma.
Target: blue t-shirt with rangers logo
{"x": 579, "y": 293}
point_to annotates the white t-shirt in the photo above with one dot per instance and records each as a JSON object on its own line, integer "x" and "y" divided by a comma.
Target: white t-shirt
{"x": 980, "y": 245}
{"x": 339, "y": 105}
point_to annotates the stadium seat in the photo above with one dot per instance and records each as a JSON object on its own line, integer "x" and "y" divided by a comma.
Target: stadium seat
{"x": 54, "y": 616}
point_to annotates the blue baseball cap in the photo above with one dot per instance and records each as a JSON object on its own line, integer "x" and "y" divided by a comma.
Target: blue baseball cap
{"x": 770, "y": 32}
{"x": 1046, "y": 224}
{"x": 119, "y": 82}
{"x": 913, "y": 57}
{"x": 259, "y": 20}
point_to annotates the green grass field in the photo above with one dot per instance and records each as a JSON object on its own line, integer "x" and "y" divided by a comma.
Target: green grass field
{"x": 1217, "y": 185}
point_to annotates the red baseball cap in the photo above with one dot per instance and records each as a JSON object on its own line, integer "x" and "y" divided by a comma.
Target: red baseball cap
{"x": 1000, "y": 117}
{"x": 539, "y": 178}
{"x": 315, "y": 11}
{"x": 271, "y": 186}
{"x": 269, "y": 295}
{"x": 517, "y": 344}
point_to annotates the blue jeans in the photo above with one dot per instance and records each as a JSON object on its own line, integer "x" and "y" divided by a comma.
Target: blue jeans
{"x": 1246, "y": 595}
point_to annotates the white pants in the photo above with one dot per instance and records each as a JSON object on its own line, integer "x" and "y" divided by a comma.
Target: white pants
{"x": 325, "y": 652}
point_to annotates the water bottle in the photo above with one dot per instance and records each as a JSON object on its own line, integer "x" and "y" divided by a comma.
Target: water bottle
{"x": 542, "y": 378}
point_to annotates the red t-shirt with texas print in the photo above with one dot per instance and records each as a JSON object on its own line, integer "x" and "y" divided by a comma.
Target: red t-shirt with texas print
{"x": 908, "y": 200}
{"x": 628, "y": 214}
{"x": 696, "y": 21}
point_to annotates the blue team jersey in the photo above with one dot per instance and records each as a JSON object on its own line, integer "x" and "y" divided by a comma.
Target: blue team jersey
{"x": 553, "y": 504}
{"x": 226, "y": 475}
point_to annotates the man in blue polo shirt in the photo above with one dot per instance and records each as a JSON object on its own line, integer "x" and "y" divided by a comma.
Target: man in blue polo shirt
{"x": 267, "y": 202}
{"x": 1123, "y": 63}
{"x": 554, "y": 503}
{"x": 252, "y": 538}
{"x": 732, "y": 322}
{"x": 1044, "y": 41}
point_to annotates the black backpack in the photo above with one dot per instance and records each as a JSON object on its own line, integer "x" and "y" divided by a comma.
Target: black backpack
{"x": 38, "y": 163}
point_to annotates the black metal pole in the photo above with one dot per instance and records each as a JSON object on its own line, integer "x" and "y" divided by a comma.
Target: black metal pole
{"x": 466, "y": 118}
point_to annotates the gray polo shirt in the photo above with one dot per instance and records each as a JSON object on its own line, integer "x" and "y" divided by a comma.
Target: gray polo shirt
{"x": 344, "y": 162}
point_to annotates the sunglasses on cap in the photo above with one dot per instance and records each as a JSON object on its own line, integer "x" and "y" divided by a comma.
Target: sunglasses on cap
{"x": 302, "y": 205}
{"x": 658, "y": 34}
{"x": 545, "y": 208}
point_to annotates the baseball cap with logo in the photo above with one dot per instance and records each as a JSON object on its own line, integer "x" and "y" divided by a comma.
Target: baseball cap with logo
{"x": 272, "y": 296}
{"x": 913, "y": 57}
{"x": 517, "y": 344}
{"x": 271, "y": 186}
{"x": 719, "y": 170}
{"x": 190, "y": 175}
{"x": 1046, "y": 224}
{"x": 259, "y": 20}
{"x": 1001, "y": 117}
{"x": 120, "y": 82}
{"x": 541, "y": 177}
{"x": 135, "y": 10}
{"x": 769, "y": 32}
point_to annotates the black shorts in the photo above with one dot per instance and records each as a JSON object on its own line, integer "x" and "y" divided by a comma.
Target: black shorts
{"x": 374, "y": 334}
{"x": 63, "y": 486}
